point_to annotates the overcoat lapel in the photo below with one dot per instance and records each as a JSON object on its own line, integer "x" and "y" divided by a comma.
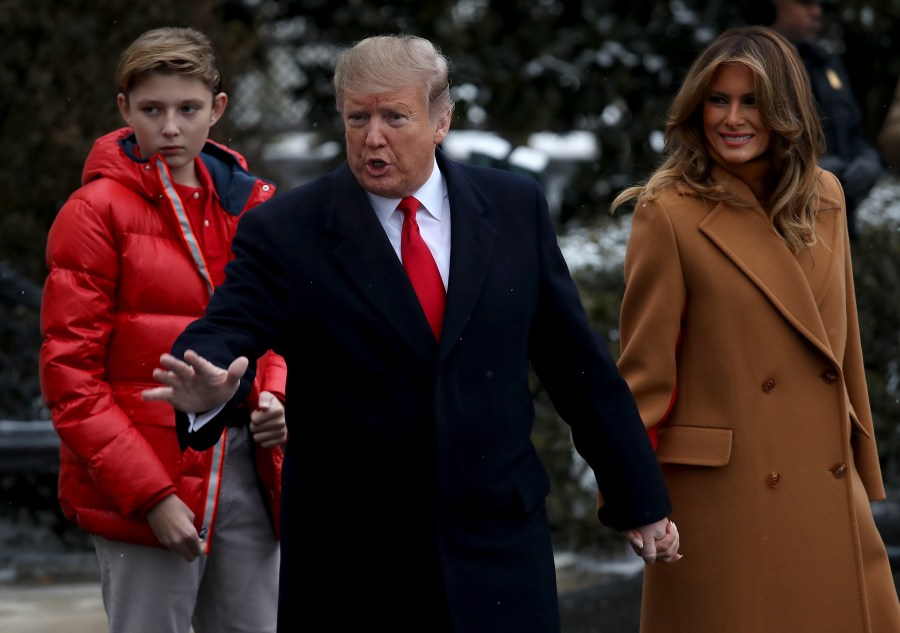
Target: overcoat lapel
{"x": 472, "y": 247}
{"x": 364, "y": 252}
{"x": 755, "y": 248}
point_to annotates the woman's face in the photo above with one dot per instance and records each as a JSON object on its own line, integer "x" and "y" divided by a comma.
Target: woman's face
{"x": 731, "y": 120}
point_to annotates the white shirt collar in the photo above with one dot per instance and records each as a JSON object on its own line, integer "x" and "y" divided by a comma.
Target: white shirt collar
{"x": 430, "y": 194}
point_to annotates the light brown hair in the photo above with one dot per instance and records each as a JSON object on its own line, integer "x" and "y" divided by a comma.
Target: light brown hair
{"x": 182, "y": 51}
{"x": 787, "y": 107}
{"x": 386, "y": 62}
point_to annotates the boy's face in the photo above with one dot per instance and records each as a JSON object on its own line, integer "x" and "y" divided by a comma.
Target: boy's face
{"x": 171, "y": 115}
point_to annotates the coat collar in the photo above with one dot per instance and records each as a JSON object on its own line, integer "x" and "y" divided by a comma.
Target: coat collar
{"x": 792, "y": 283}
{"x": 366, "y": 255}
{"x": 116, "y": 156}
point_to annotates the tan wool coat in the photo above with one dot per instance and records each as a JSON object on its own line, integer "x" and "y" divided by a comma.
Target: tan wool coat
{"x": 747, "y": 360}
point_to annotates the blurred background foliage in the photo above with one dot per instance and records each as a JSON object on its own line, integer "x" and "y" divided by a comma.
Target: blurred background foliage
{"x": 604, "y": 67}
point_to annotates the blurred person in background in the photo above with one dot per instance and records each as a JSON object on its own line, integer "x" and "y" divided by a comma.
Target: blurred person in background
{"x": 183, "y": 538}
{"x": 850, "y": 154}
{"x": 741, "y": 344}
{"x": 888, "y": 139}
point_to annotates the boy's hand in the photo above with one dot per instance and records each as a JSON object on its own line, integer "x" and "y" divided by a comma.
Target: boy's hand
{"x": 267, "y": 421}
{"x": 173, "y": 524}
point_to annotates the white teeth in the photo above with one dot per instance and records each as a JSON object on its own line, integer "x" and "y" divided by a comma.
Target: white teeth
{"x": 738, "y": 139}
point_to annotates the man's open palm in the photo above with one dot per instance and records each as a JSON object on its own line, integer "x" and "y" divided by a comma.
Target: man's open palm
{"x": 195, "y": 385}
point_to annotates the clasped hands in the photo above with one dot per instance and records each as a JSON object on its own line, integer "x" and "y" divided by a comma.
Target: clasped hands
{"x": 655, "y": 543}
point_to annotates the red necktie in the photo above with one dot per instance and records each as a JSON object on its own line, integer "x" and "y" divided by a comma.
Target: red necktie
{"x": 420, "y": 266}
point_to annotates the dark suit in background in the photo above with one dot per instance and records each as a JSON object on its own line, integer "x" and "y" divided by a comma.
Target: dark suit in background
{"x": 850, "y": 156}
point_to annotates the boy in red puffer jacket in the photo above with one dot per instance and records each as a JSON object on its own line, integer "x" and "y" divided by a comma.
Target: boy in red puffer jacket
{"x": 183, "y": 538}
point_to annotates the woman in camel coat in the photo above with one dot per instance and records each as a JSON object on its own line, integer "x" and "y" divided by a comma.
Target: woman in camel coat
{"x": 741, "y": 344}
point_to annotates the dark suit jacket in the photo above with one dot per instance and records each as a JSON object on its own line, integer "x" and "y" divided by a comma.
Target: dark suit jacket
{"x": 411, "y": 486}
{"x": 850, "y": 155}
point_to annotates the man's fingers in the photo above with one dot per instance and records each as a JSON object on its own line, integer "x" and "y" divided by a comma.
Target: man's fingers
{"x": 667, "y": 547}
{"x": 157, "y": 393}
{"x": 167, "y": 377}
{"x": 237, "y": 368}
{"x": 194, "y": 363}
{"x": 176, "y": 365}
{"x": 648, "y": 552}
{"x": 656, "y": 542}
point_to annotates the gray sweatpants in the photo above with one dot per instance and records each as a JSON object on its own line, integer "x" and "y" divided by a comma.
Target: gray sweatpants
{"x": 234, "y": 589}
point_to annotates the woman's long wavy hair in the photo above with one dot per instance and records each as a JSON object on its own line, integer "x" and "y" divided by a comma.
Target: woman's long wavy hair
{"x": 787, "y": 107}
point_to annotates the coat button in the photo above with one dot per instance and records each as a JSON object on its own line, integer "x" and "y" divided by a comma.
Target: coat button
{"x": 829, "y": 375}
{"x": 769, "y": 385}
{"x": 265, "y": 187}
{"x": 839, "y": 470}
{"x": 774, "y": 480}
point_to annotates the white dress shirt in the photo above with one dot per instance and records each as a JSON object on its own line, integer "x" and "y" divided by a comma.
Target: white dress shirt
{"x": 433, "y": 219}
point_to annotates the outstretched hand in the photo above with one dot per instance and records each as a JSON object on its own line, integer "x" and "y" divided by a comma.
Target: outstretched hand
{"x": 656, "y": 543}
{"x": 195, "y": 385}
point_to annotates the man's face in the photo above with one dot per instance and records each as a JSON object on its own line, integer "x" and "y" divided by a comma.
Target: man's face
{"x": 171, "y": 115}
{"x": 391, "y": 139}
{"x": 798, "y": 20}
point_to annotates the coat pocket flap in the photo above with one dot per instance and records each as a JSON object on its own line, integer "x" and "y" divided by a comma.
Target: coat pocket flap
{"x": 856, "y": 426}
{"x": 694, "y": 445}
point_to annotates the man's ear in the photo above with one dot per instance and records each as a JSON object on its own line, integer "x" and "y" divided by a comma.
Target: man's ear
{"x": 220, "y": 102}
{"x": 124, "y": 107}
{"x": 442, "y": 127}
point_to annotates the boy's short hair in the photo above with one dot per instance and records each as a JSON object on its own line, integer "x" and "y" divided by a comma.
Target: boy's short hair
{"x": 182, "y": 51}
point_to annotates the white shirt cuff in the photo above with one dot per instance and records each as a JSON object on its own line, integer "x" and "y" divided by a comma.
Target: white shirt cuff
{"x": 196, "y": 421}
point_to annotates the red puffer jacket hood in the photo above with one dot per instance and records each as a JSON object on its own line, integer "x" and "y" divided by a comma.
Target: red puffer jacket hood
{"x": 126, "y": 275}
{"x": 236, "y": 188}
